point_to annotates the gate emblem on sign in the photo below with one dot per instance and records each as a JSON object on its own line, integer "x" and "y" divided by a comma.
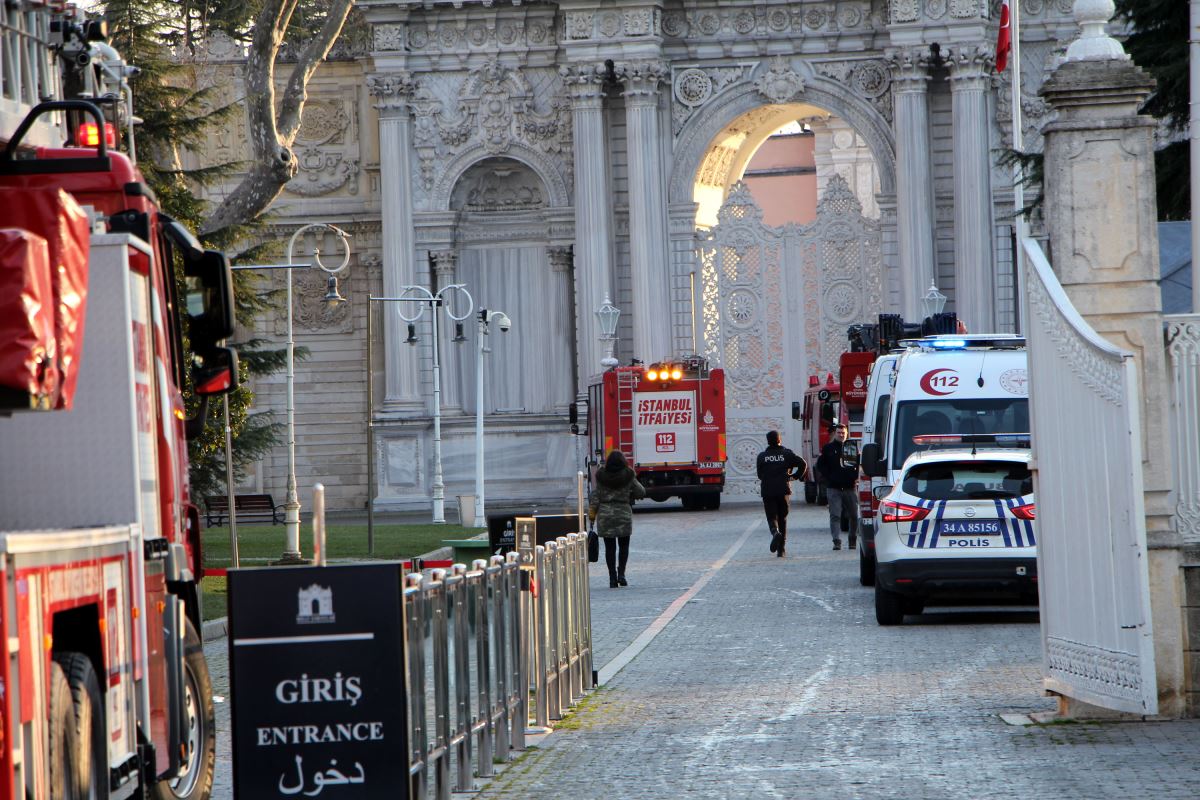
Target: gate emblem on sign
{"x": 315, "y": 605}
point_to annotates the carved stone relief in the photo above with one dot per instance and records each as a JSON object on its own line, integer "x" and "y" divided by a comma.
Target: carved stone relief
{"x": 442, "y": 32}
{"x": 326, "y": 148}
{"x": 498, "y": 184}
{"x": 1037, "y": 59}
{"x": 309, "y": 310}
{"x": 494, "y": 107}
{"x": 780, "y": 83}
{"x": 768, "y": 21}
{"x": 869, "y": 79}
{"x": 612, "y": 24}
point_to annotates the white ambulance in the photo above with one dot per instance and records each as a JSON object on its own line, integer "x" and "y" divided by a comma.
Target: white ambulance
{"x": 971, "y": 384}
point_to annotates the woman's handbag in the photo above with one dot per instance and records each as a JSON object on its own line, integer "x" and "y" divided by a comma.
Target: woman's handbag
{"x": 593, "y": 546}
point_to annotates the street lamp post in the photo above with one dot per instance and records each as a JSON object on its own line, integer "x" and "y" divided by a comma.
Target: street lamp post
{"x": 433, "y": 301}
{"x": 291, "y": 550}
{"x": 486, "y": 318}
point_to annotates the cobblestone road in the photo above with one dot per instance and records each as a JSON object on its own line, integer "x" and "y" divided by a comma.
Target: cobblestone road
{"x": 773, "y": 681}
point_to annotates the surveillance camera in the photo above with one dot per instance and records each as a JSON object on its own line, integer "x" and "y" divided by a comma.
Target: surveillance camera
{"x": 504, "y": 322}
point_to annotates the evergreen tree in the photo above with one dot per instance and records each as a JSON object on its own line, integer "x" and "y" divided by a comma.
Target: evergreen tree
{"x": 176, "y": 115}
{"x": 1158, "y": 42}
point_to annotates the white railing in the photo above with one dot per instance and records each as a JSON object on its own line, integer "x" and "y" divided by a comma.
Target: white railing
{"x": 1183, "y": 359}
{"x": 1087, "y": 449}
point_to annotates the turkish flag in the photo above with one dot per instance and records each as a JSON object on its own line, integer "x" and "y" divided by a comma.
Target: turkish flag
{"x": 1004, "y": 40}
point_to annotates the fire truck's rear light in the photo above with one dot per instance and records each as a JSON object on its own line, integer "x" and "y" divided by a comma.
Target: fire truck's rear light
{"x": 676, "y": 374}
{"x": 48, "y": 642}
{"x": 217, "y": 384}
{"x": 179, "y": 413}
{"x": 88, "y": 135}
{"x": 710, "y": 478}
{"x": 651, "y": 375}
{"x": 813, "y": 380}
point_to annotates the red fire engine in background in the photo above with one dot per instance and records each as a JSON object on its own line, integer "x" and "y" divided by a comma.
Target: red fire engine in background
{"x": 669, "y": 421}
{"x": 104, "y": 691}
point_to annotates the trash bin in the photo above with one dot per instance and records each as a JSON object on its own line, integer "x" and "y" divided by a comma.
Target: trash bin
{"x": 466, "y": 510}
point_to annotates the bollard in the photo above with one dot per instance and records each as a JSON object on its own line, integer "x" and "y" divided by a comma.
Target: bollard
{"x": 540, "y": 654}
{"x": 483, "y": 678}
{"x": 319, "y": 524}
{"x": 441, "y": 681}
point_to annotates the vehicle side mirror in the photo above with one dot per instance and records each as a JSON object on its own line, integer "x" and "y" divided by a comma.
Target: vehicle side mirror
{"x": 209, "y": 299}
{"x": 881, "y": 492}
{"x": 215, "y": 371}
{"x": 795, "y": 409}
{"x": 873, "y": 464}
{"x": 850, "y": 453}
{"x": 573, "y": 418}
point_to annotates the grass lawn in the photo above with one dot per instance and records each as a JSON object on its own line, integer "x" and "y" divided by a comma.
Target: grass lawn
{"x": 259, "y": 545}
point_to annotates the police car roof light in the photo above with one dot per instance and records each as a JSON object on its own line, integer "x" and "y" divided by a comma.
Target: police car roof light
{"x": 1001, "y": 439}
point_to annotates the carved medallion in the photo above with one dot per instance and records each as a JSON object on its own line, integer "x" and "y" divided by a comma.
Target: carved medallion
{"x": 675, "y": 24}
{"x": 744, "y": 22}
{"x": 609, "y": 24}
{"x": 709, "y": 23}
{"x": 815, "y": 18}
{"x": 693, "y": 87}
{"x": 389, "y": 37}
{"x": 936, "y": 9}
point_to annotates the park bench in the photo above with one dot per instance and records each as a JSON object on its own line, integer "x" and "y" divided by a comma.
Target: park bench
{"x": 249, "y": 508}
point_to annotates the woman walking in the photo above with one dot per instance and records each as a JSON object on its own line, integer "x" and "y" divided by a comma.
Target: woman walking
{"x": 612, "y": 509}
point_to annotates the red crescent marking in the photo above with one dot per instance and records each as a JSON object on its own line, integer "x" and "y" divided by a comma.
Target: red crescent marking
{"x": 927, "y": 386}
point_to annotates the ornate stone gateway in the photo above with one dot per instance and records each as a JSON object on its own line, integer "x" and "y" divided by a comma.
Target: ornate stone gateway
{"x": 776, "y": 303}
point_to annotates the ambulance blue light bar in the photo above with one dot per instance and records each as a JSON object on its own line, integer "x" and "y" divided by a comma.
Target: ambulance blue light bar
{"x": 997, "y": 341}
{"x": 1000, "y": 439}
{"x": 948, "y": 344}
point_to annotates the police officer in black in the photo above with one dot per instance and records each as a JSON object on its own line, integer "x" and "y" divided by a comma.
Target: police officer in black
{"x": 777, "y": 467}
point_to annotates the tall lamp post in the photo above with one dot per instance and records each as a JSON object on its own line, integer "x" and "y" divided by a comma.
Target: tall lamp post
{"x": 291, "y": 550}
{"x": 608, "y": 314}
{"x": 433, "y": 301}
{"x": 502, "y": 321}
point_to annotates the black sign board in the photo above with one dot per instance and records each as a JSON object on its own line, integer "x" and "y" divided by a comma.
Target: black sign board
{"x": 319, "y": 698}
{"x": 502, "y": 537}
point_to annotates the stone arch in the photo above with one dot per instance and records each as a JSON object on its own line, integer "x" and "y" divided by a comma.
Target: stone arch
{"x": 698, "y": 134}
{"x": 558, "y": 193}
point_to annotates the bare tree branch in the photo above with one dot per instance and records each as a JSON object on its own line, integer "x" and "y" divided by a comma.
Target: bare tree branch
{"x": 272, "y": 133}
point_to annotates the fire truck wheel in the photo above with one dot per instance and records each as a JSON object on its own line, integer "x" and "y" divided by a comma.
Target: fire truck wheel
{"x": 689, "y": 503}
{"x": 92, "y": 759}
{"x": 810, "y": 492}
{"x": 713, "y": 501}
{"x": 195, "y": 778}
{"x": 63, "y": 747}
{"x": 822, "y": 498}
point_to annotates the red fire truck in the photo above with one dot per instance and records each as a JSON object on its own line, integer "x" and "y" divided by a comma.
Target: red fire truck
{"x": 821, "y": 410}
{"x": 669, "y": 421}
{"x": 105, "y": 691}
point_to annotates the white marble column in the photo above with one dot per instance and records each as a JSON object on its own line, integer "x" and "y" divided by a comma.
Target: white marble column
{"x": 402, "y": 390}
{"x": 593, "y": 214}
{"x": 974, "y": 264}
{"x": 914, "y": 177}
{"x": 648, "y": 246}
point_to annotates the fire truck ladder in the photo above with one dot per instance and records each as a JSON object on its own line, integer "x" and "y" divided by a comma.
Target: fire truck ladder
{"x": 626, "y": 381}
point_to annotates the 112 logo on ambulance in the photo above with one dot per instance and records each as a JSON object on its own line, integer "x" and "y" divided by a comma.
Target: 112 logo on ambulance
{"x": 939, "y": 382}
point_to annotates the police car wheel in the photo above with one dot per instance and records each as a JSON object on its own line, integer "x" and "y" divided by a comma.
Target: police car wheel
{"x": 889, "y": 607}
{"x": 866, "y": 570}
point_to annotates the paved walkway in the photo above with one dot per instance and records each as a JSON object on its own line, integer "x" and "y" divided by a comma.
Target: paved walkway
{"x": 772, "y": 680}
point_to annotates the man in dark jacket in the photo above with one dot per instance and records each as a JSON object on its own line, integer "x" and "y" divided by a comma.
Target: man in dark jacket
{"x": 839, "y": 488}
{"x": 775, "y": 470}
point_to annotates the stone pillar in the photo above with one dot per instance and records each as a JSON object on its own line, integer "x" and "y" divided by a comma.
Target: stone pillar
{"x": 455, "y": 357}
{"x": 974, "y": 264}
{"x": 562, "y": 323}
{"x": 1101, "y": 216}
{"x": 593, "y": 214}
{"x": 402, "y": 389}
{"x": 914, "y": 177}
{"x": 648, "y": 256}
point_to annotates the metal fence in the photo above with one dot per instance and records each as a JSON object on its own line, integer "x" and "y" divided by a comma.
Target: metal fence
{"x": 1183, "y": 362}
{"x": 479, "y": 643}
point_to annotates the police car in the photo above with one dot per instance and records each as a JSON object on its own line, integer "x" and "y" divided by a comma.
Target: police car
{"x": 958, "y": 523}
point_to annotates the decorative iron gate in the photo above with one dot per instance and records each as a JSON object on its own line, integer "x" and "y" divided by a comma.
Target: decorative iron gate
{"x": 1094, "y": 584}
{"x": 775, "y": 306}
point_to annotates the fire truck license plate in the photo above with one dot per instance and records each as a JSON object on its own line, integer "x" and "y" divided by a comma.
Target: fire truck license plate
{"x": 711, "y": 465}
